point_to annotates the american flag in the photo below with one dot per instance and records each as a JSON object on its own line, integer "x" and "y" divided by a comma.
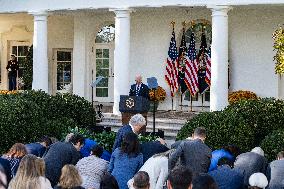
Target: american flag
{"x": 171, "y": 75}
{"x": 191, "y": 67}
{"x": 208, "y": 67}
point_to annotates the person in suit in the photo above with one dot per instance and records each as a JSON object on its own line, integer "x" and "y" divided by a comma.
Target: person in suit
{"x": 39, "y": 148}
{"x": 274, "y": 172}
{"x": 139, "y": 88}
{"x": 148, "y": 149}
{"x": 227, "y": 177}
{"x": 12, "y": 68}
{"x": 193, "y": 154}
{"x": 136, "y": 123}
{"x": 60, "y": 154}
{"x": 251, "y": 162}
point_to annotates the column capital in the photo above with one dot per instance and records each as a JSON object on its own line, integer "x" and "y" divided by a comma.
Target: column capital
{"x": 219, "y": 10}
{"x": 122, "y": 12}
{"x": 39, "y": 15}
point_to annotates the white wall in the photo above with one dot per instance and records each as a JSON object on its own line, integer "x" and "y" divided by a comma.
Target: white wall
{"x": 251, "y": 51}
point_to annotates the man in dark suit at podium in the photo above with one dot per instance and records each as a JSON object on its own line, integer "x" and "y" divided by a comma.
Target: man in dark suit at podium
{"x": 139, "y": 88}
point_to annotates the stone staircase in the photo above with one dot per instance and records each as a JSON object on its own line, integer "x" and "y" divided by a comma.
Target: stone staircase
{"x": 169, "y": 122}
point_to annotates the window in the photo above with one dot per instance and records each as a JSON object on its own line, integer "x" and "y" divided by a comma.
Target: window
{"x": 64, "y": 59}
{"x": 20, "y": 52}
{"x": 102, "y": 69}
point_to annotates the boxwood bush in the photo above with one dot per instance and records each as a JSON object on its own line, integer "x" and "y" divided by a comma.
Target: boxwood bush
{"x": 245, "y": 124}
{"x": 273, "y": 143}
{"x": 29, "y": 115}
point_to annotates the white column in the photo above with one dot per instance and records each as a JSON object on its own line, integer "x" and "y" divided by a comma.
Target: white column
{"x": 79, "y": 56}
{"x": 219, "y": 58}
{"x": 40, "y": 60}
{"x": 121, "y": 55}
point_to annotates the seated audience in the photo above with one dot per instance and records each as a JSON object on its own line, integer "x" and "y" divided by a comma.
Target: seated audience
{"x": 226, "y": 177}
{"x": 30, "y": 174}
{"x": 204, "y": 181}
{"x": 251, "y": 162}
{"x": 14, "y": 156}
{"x": 141, "y": 180}
{"x": 148, "y": 149}
{"x": 193, "y": 154}
{"x": 39, "y": 148}
{"x": 108, "y": 182}
{"x": 230, "y": 152}
{"x": 180, "y": 178}
{"x": 60, "y": 154}
{"x": 126, "y": 161}
{"x": 136, "y": 123}
{"x": 70, "y": 178}
{"x": 257, "y": 181}
{"x": 275, "y": 174}
{"x": 92, "y": 168}
{"x": 157, "y": 169}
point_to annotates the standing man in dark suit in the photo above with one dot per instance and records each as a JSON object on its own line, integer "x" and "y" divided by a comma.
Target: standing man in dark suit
{"x": 135, "y": 125}
{"x": 12, "y": 68}
{"x": 193, "y": 154}
{"x": 139, "y": 88}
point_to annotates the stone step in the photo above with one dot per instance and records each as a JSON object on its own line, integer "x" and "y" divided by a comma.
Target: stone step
{"x": 169, "y": 126}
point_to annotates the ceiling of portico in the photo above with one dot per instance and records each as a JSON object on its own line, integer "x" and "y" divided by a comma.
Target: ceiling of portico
{"x": 11, "y": 6}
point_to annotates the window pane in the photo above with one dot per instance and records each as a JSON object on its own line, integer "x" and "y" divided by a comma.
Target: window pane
{"x": 26, "y": 49}
{"x": 99, "y": 53}
{"x": 60, "y": 67}
{"x": 106, "y": 63}
{"x": 21, "y": 51}
{"x": 102, "y": 92}
{"x": 14, "y": 50}
{"x": 102, "y": 72}
{"x": 103, "y": 83}
{"x": 67, "y": 76}
{"x": 20, "y": 72}
{"x": 63, "y": 56}
{"x": 207, "y": 96}
{"x": 21, "y": 61}
{"x": 105, "y": 53}
{"x": 59, "y": 86}
{"x": 99, "y": 63}
{"x": 59, "y": 77}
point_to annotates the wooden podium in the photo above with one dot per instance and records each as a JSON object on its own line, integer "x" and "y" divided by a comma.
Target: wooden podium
{"x": 131, "y": 105}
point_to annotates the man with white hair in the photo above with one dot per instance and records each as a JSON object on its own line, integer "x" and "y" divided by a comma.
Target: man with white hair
{"x": 251, "y": 162}
{"x": 136, "y": 123}
{"x": 139, "y": 88}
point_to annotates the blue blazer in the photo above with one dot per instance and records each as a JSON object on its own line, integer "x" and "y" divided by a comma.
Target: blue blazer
{"x": 120, "y": 135}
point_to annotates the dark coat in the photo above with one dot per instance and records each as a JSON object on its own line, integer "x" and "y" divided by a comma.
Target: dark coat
{"x": 148, "y": 149}
{"x": 120, "y": 135}
{"x": 7, "y": 168}
{"x": 76, "y": 187}
{"x": 193, "y": 154}
{"x": 36, "y": 149}
{"x": 58, "y": 155}
{"x": 250, "y": 163}
{"x": 275, "y": 174}
{"x": 14, "y": 66}
{"x": 227, "y": 178}
{"x": 143, "y": 91}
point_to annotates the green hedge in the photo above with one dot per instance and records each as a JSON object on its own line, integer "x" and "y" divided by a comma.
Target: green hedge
{"x": 245, "y": 124}
{"x": 273, "y": 143}
{"x": 29, "y": 115}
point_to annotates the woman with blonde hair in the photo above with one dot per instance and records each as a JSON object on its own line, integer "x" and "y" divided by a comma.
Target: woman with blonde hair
{"x": 14, "y": 156}
{"x": 30, "y": 174}
{"x": 70, "y": 178}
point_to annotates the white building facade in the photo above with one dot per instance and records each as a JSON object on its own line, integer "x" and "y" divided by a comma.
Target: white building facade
{"x": 67, "y": 51}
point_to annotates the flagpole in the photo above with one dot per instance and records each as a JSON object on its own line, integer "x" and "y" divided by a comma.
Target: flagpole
{"x": 190, "y": 103}
{"x": 202, "y": 102}
{"x": 172, "y": 104}
{"x": 181, "y": 100}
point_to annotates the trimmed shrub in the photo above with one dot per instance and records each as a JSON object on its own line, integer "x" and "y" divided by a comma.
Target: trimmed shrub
{"x": 27, "y": 116}
{"x": 245, "y": 123}
{"x": 273, "y": 143}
